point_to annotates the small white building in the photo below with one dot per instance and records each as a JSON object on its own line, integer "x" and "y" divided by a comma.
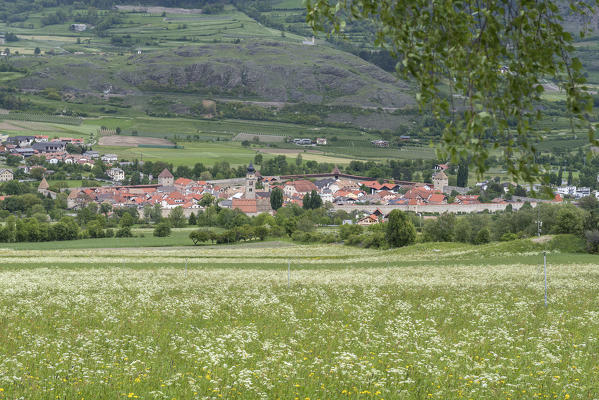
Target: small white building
{"x": 116, "y": 174}
{"x": 78, "y": 27}
{"x": 6, "y": 175}
{"x": 109, "y": 158}
{"x": 582, "y": 192}
{"x": 566, "y": 190}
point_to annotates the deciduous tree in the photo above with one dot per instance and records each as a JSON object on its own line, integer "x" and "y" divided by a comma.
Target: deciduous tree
{"x": 490, "y": 56}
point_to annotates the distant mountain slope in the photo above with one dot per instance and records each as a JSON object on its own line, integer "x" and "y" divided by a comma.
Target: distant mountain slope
{"x": 260, "y": 70}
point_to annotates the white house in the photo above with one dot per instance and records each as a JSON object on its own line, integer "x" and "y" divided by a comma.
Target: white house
{"x": 116, "y": 174}
{"x": 109, "y": 158}
{"x": 582, "y": 192}
{"x": 566, "y": 190}
{"x": 6, "y": 175}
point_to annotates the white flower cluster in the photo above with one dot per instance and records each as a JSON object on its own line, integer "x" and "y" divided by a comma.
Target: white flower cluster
{"x": 93, "y": 327}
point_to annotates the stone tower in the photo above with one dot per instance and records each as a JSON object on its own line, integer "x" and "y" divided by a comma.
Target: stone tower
{"x": 250, "y": 182}
{"x": 440, "y": 180}
{"x": 166, "y": 178}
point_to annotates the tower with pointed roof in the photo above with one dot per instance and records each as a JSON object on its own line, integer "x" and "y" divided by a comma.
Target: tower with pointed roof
{"x": 336, "y": 172}
{"x": 166, "y": 178}
{"x": 250, "y": 182}
{"x": 440, "y": 180}
{"x": 43, "y": 185}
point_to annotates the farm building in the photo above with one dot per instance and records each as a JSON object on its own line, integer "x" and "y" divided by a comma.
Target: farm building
{"x": 302, "y": 142}
{"x": 380, "y": 143}
{"x": 78, "y": 27}
{"x": 48, "y": 147}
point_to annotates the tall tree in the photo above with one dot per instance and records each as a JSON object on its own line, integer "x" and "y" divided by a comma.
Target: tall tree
{"x": 399, "y": 230}
{"x": 276, "y": 198}
{"x": 490, "y": 56}
{"x": 463, "y": 174}
{"x": 177, "y": 217}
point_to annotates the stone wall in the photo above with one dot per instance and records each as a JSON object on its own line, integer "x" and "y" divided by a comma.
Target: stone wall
{"x": 440, "y": 208}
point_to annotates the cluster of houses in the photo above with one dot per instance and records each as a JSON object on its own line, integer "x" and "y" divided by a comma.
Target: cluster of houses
{"x": 55, "y": 151}
{"x": 168, "y": 193}
{"x": 251, "y": 194}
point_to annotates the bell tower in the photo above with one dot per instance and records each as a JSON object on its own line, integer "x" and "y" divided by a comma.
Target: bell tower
{"x": 250, "y": 182}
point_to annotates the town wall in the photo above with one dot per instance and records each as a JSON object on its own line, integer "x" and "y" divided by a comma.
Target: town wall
{"x": 432, "y": 208}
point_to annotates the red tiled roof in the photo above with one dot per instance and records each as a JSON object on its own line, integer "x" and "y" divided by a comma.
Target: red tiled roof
{"x": 303, "y": 186}
{"x": 436, "y": 198}
{"x": 184, "y": 182}
{"x": 247, "y": 206}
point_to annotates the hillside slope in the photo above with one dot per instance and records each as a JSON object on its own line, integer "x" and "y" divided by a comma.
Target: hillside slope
{"x": 260, "y": 70}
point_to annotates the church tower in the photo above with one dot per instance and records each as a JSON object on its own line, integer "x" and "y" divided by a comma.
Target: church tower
{"x": 250, "y": 182}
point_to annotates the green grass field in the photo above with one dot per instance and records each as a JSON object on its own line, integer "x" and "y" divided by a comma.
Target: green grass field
{"x": 429, "y": 321}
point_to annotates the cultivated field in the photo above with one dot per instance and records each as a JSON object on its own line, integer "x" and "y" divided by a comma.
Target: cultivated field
{"x": 132, "y": 141}
{"x": 259, "y": 138}
{"x": 459, "y": 322}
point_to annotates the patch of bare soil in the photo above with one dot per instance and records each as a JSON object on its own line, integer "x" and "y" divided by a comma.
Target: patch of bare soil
{"x": 240, "y": 137}
{"x": 542, "y": 239}
{"x": 9, "y": 127}
{"x": 132, "y": 141}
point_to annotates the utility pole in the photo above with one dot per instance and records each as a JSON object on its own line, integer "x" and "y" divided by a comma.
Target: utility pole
{"x": 539, "y": 222}
{"x": 545, "y": 272}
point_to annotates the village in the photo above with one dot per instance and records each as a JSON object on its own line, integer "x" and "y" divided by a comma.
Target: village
{"x": 251, "y": 194}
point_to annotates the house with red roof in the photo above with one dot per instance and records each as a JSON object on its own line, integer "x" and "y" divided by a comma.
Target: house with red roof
{"x": 298, "y": 187}
{"x": 467, "y": 199}
{"x": 437, "y": 198}
{"x": 184, "y": 184}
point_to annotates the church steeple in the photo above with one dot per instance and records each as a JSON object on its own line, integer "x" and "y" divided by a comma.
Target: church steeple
{"x": 250, "y": 182}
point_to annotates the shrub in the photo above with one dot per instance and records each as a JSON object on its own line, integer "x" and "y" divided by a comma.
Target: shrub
{"x": 353, "y": 240}
{"x": 261, "y": 232}
{"x": 199, "y": 236}
{"x": 506, "y": 237}
{"x": 163, "y": 229}
{"x": 330, "y": 238}
{"x": 345, "y": 231}
{"x": 277, "y": 231}
{"x": 483, "y": 236}
{"x": 592, "y": 238}
{"x": 123, "y": 232}
{"x": 374, "y": 240}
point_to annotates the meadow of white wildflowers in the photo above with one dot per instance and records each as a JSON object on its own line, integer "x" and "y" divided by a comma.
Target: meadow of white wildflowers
{"x": 160, "y": 332}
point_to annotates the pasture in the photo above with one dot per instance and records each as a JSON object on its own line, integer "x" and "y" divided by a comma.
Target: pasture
{"x": 432, "y": 321}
